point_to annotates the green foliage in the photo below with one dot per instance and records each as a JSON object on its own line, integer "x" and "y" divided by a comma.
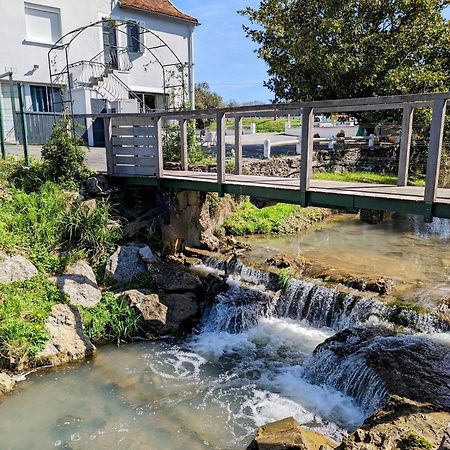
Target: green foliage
{"x": 111, "y": 320}
{"x": 325, "y": 49}
{"x": 62, "y": 155}
{"x": 32, "y": 223}
{"x": 45, "y": 222}
{"x": 284, "y": 276}
{"x": 367, "y": 177}
{"x": 91, "y": 231}
{"x": 172, "y": 144}
{"x": 413, "y": 441}
{"x": 280, "y": 218}
{"x": 206, "y": 99}
{"x": 24, "y": 307}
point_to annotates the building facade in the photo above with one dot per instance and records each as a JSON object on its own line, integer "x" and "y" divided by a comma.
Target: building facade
{"x": 127, "y": 56}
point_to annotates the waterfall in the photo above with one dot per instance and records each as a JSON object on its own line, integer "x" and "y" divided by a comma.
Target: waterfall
{"x": 439, "y": 227}
{"x": 251, "y": 296}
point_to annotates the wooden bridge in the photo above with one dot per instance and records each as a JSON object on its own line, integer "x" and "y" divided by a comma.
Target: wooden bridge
{"x": 134, "y": 146}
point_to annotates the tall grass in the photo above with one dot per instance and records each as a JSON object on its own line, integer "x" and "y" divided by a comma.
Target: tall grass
{"x": 24, "y": 307}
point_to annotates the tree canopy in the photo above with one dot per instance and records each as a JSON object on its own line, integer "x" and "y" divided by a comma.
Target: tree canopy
{"x": 328, "y": 49}
{"x": 205, "y": 98}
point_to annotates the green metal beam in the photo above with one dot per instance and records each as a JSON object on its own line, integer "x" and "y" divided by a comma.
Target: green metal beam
{"x": 2, "y": 133}
{"x": 319, "y": 199}
{"x": 23, "y": 120}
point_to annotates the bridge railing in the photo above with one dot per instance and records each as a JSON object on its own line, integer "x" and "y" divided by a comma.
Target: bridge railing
{"x": 406, "y": 103}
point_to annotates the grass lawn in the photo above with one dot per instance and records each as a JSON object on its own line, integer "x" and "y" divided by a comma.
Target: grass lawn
{"x": 280, "y": 218}
{"x": 265, "y": 125}
{"x": 367, "y": 177}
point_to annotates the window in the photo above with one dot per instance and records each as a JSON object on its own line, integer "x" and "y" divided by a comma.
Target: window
{"x": 135, "y": 38}
{"x": 41, "y": 99}
{"x": 43, "y": 23}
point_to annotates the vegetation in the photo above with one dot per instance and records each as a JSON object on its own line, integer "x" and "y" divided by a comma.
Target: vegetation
{"x": 206, "y": 99}
{"x": 111, "y": 320}
{"x": 172, "y": 144}
{"x": 281, "y": 218}
{"x": 367, "y": 177}
{"x": 284, "y": 276}
{"x": 24, "y": 307}
{"x": 326, "y": 50}
{"x": 48, "y": 221}
{"x": 413, "y": 441}
{"x": 63, "y": 156}
{"x": 271, "y": 125}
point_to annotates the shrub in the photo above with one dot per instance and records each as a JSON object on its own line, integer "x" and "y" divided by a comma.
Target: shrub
{"x": 92, "y": 231}
{"x": 284, "y": 276}
{"x": 111, "y": 320}
{"x": 62, "y": 155}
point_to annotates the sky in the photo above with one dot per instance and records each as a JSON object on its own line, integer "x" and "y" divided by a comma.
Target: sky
{"x": 224, "y": 56}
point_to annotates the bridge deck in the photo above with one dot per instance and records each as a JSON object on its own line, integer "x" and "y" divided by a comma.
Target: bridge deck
{"x": 333, "y": 194}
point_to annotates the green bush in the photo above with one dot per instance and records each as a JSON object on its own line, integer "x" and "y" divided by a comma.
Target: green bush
{"x": 284, "y": 276}
{"x": 63, "y": 156}
{"x": 24, "y": 308}
{"x": 111, "y": 320}
{"x": 92, "y": 231}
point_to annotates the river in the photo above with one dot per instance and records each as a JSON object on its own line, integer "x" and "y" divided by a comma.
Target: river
{"x": 246, "y": 365}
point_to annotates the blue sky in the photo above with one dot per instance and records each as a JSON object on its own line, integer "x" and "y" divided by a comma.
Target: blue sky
{"x": 224, "y": 56}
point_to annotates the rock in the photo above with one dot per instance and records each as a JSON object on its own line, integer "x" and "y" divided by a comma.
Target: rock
{"x": 403, "y": 424}
{"x": 147, "y": 255}
{"x": 287, "y": 434}
{"x": 125, "y": 264}
{"x": 445, "y": 444}
{"x": 152, "y": 311}
{"x": 183, "y": 311}
{"x": 67, "y": 340}
{"x": 80, "y": 284}
{"x": 372, "y": 216}
{"x": 175, "y": 278}
{"x": 16, "y": 268}
{"x": 96, "y": 185}
{"x": 413, "y": 367}
{"x": 7, "y": 383}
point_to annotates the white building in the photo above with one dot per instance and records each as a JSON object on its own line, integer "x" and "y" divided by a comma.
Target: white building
{"x": 141, "y": 59}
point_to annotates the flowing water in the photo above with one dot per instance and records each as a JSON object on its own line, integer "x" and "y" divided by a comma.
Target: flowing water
{"x": 413, "y": 254}
{"x": 249, "y": 363}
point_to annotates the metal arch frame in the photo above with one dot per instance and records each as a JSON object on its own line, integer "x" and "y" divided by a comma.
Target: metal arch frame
{"x": 118, "y": 24}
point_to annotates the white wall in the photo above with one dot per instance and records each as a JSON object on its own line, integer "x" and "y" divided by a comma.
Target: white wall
{"x": 22, "y": 56}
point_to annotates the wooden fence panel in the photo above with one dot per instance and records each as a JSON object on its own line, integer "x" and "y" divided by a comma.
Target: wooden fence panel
{"x": 133, "y": 146}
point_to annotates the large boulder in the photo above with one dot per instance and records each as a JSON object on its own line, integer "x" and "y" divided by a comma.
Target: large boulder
{"x": 152, "y": 311}
{"x": 175, "y": 278}
{"x": 67, "y": 341}
{"x": 16, "y": 268}
{"x": 7, "y": 383}
{"x": 373, "y": 363}
{"x": 80, "y": 284}
{"x": 125, "y": 264}
{"x": 287, "y": 434}
{"x": 183, "y": 311}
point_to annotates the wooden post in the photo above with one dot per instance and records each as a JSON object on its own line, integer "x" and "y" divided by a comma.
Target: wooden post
{"x": 159, "y": 147}
{"x": 2, "y": 134}
{"x": 23, "y": 120}
{"x": 238, "y": 146}
{"x": 434, "y": 151}
{"x": 184, "y": 144}
{"x": 221, "y": 124}
{"x": 307, "y": 152}
{"x": 405, "y": 146}
{"x": 109, "y": 147}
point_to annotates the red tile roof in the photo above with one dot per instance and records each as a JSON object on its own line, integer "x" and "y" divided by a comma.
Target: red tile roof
{"x": 163, "y": 7}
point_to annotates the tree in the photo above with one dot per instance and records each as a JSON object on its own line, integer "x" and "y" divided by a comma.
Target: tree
{"x": 329, "y": 49}
{"x": 206, "y": 99}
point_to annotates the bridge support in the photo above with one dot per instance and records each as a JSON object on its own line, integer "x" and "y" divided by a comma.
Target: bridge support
{"x": 307, "y": 153}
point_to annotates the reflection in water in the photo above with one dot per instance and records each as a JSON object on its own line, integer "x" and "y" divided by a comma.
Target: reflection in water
{"x": 414, "y": 254}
